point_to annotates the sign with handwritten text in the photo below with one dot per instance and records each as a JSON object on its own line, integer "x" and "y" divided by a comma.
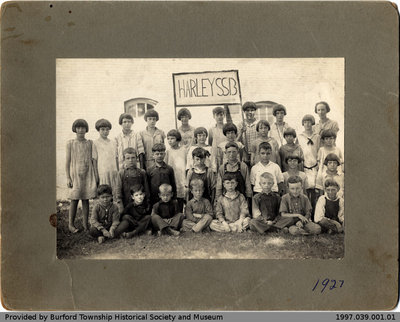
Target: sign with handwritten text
{"x": 207, "y": 88}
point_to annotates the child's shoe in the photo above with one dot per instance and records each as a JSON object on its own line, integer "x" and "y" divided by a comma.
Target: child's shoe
{"x": 172, "y": 232}
{"x": 159, "y": 233}
{"x": 285, "y": 230}
{"x": 101, "y": 239}
{"x": 148, "y": 232}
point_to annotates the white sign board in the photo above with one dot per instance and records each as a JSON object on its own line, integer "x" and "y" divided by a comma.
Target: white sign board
{"x": 207, "y": 88}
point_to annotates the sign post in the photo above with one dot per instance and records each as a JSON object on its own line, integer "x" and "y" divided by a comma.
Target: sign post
{"x": 207, "y": 89}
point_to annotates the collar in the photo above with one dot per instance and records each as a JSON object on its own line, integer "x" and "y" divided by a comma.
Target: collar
{"x": 163, "y": 165}
{"x": 237, "y": 193}
{"x": 131, "y": 168}
{"x": 292, "y": 197}
{"x": 337, "y": 197}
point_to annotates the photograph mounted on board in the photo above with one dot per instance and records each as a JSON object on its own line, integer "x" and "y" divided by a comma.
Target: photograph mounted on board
{"x": 200, "y": 158}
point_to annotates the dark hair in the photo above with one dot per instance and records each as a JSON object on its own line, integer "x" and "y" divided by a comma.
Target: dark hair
{"x": 308, "y": 117}
{"x": 160, "y": 147}
{"x": 328, "y": 134}
{"x": 289, "y": 131}
{"x": 80, "y": 123}
{"x": 196, "y": 183}
{"x": 231, "y": 145}
{"x": 292, "y": 157}
{"x": 176, "y": 134}
{"x": 249, "y": 105}
{"x": 104, "y": 188}
{"x": 218, "y": 109}
{"x": 184, "y": 112}
{"x": 323, "y": 103}
{"x": 229, "y": 176}
{"x": 263, "y": 122}
{"x": 331, "y": 183}
{"x": 136, "y": 188}
{"x": 200, "y": 130}
{"x": 229, "y": 127}
{"x": 200, "y": 153}
{"x": 128, "y": 151}
{"x": 102, "y": 123}
{"x": 125, "y": 116}
{"x": 151, "y": 113}
{"x": 332, "y": 157}
{"x": 278, "y": 108}
{"x": 294, "y": 179}
{"x": 265, "y": 146}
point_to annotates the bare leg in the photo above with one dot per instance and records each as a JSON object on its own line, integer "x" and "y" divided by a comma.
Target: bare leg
{"x": 72, "y": 214}
{"x": 85, "y": 213}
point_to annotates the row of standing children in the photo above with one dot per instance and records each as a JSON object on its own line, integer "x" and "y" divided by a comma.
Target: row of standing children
{"x": 207, "y": 163}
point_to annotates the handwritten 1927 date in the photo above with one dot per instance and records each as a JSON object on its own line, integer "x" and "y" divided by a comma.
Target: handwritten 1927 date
{"x": 331, "y": 284}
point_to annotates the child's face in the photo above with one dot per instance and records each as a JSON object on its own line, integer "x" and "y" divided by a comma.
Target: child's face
{"x": 289, "y": 139}
{"x": 201, "y": 138}
{"x": 263, "y": 130}
{"x": 250, "y": 114}
{"x": 231, "y": 154}
{"x": 307, "y": 125}
{"x": 105, "y": 199}
{"x": 197, "y": 192}
{"x": 198, "y": 162}
{"x": 185, "y": 119}
{"x": 293, "y": 163}
{"x": 138, "y": 197}
{"x": 80, "y": 131}
{"x": 332, "y": 166}
{"x": 104, "y": 132}
{"x": 219, "y": 117}
{"x": 279, "y": 116}
{"x": 231, "y": 136}
{"x": 321, "y": 110}
{"x": 230, "y": 185}
{"x": 328, "y": 141}
{"x": 165, "y": 196}
{"x": 266, "y": 184}
{"x": 172, "y": 141}
{"x": 159, "y": 156}
{"x": 130, "y": 160}
{"x": 265, "y": 155}
{"x": 295, "y": 189}
{"x": 126, "y": 124}
{"x": 331, "y": 192}
{"x": 151, "y": 121}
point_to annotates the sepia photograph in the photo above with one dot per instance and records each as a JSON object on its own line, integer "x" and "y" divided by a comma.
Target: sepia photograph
{"x": 200, "y": 158}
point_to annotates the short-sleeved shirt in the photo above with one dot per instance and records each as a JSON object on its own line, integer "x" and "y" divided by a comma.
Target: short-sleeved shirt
{"x": 277, "y": 134}
{"x": 321, "y": 209}
{"x": 323, "y": 176}
{"x": 149, "y": 140}
{"x": 266, "y": 205}
{"x": 301, "y": 174}
{"x": 328, "y": 125}
{"x": 295, "y": 205}
{"x": 130, "y": 140}
{"x": 258, "y": 169}
{"x": 166, "y": 210}
{"x": 187, "y": 136}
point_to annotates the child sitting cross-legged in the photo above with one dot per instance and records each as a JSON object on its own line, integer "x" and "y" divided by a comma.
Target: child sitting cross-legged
{"x": 296, "y": 210}
{"x": 231, "y": 208}
{"x": 166, "y": 217}
{"x": 265, "y": 205}
{"x": 135, "y": 218}
{"x": 329, "y": 211}
{"x": 198, "y": 211}
{"x": 105, "y": 215}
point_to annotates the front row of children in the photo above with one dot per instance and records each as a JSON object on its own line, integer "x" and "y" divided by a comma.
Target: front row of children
{"x": 291, "y": 213}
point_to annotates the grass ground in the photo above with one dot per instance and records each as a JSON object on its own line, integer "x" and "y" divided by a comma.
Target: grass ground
{"x": 190, "y": 245}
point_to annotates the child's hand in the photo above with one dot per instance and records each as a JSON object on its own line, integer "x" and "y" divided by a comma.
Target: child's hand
{"x": 303, "y": 219}
{"x": 112, "y": 231}
{"x": 299, "y": 224}
{"x": 106, "y": 233}
{"x": 270, "y": 222}
{"x": 69, "y": 183}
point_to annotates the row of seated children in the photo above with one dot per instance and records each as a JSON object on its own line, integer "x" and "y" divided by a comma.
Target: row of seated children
{"x": 290, "y": 214}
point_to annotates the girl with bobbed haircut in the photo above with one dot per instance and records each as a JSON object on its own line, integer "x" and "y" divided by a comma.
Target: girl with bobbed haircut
{"x": 332, "y": 157}
{"x": 279, "y": 127}
{"x": 125, "y": 116}
{"x": 229, "y": 127}
{"x": 184, "y": 112}
{"x": 81, "y": 173}
{"x": 290, "y": 131}
{"x": 80, "y": 123}
{"x": 263, "y": 122}
{"x": 277, "y": 108}
{"x": 176, "y": 134}
{"x": 308, "y": 117}
{"x": 200, "y": 130}
{"x": 328, "y": 134}
{"x": 151, "y": 113}
{"x": 102, "y": 123}
{"x": 249, "y": 105}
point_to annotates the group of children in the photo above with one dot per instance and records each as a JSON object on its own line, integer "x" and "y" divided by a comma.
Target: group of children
{"x": 226, "y": 179}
